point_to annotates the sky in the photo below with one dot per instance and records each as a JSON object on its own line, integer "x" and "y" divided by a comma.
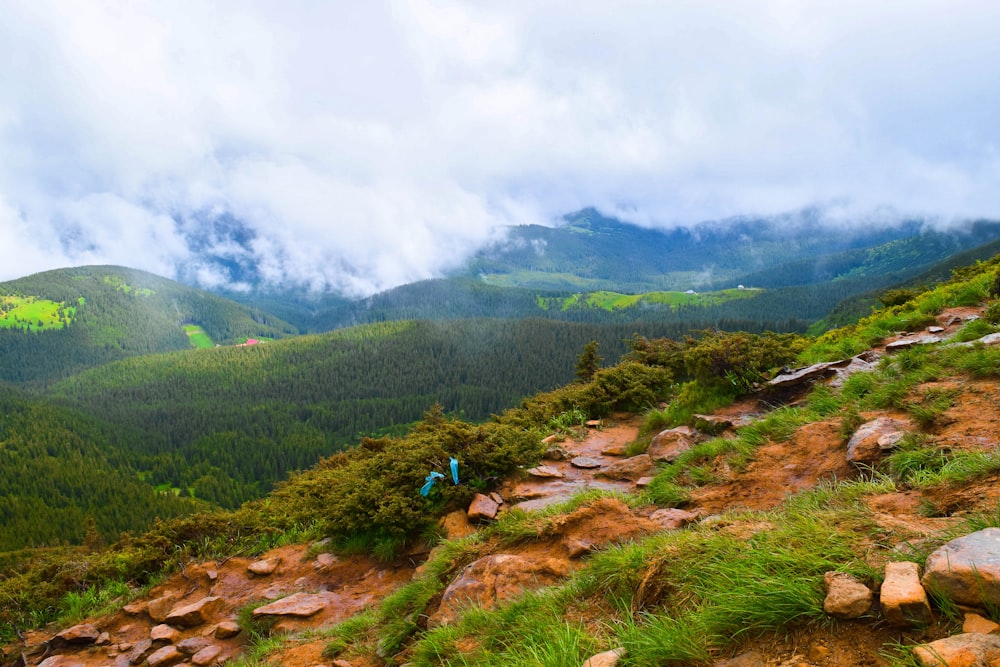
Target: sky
{"x": 361, "y": 145}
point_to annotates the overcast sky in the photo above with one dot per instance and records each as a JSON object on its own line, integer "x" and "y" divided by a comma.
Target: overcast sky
{"x": 369, "y": 144}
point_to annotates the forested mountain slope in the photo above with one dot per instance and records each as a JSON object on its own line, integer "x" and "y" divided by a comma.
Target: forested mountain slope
{"x": 58, "y": 322}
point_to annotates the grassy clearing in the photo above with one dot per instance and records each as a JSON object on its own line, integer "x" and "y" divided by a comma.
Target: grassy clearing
{"x": 29, "y": 313}
{"x": 198, "y": 338}
{"x": 611, "y": 301}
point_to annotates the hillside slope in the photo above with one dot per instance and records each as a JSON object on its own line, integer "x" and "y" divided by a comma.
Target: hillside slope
{"x": 55, "y": 323}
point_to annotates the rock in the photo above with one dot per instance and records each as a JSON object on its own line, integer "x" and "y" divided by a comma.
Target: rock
{"x": 496, "y": 497}
{"x": 818, "y": 652}
{"x": 904, "y": 601}
{"x": 979, "y": 625}
{"x": 327, "y": 559}
{"x": 667, "y": 445}
{"x": 864, "y": 446}
{"x": 806, "y": 376}
{"x": 712, "y": 424}
{"x": 585, "y": 462}
{"x": 935, "y": 330}
{"x": 262, "y": 568}
{"x": 967, "y": 569}
{"x": 631, "y": 469}
{"x": 192, "y": 645}
{"x": 141, "y": 651}
{"x": 593, "y": 423}
{"x": 456, "y": 525}
{"x": 846, "y": 597}
{"x": 341, "y": 663}
{"x": 748, "y": 659}
{"x": 61, "y": 661}
{"x": 545, "y": 472}
{"x": 207, "y": 655}
{"x": 672, "y": 519}
{"x": 164, "y": 633}
{"x": 555, "y": 453}
{"x": 212, "y": 575}
{"x": 863, "y": 363}
{"x": 300, "y": 605}
{"x": 197, "y": 613}
{"x": 614, "y": 450}
{"x": 483, "y": 508}
{"x": 83, "y": 634}
{"x": 226, "y": 629}
{"x": 606, "y": 659}
{"x": 103, "y": 639}
{"x": 168, "y": 655}
{"x": 495, "y": 578}
{"x": 159, "y": 608}
{"x": 577, "y": 548}
{"x": 906, "y": 343}
{"x": 965, "y": 650}
{"x": 643, "y": 482}
{"x": 134, "y": 608}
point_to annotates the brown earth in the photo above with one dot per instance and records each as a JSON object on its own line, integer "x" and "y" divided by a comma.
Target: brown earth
{"x": 814, "y": 453}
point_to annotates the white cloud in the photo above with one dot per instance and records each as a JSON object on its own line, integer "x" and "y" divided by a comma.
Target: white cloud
{"x": 370, "y": 144}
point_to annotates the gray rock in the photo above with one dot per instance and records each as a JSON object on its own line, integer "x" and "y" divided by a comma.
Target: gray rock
{"x": 866, "y": 445}
{"x": 667, "y": 445}
{"x": 967, "y": 569}
{"x": 585, "y": 462}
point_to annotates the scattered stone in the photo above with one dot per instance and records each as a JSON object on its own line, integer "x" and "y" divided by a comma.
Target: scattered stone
{"x": 164, "y": 633}
{"x": 60, "y": 661}
{"x": 904, "y": 601}
{"x": 545, "y": 472}
{"x": 160, "y": 607}
{"x": 807, "y": 375}
{"x": 614, "y": 450}
{"x": 262, "y": 568}
{"x": 967, "y": 569}
{"x": 712, "y": 424}
{"x": 555, "y": 453}
{"x": 606, "y": 659}
{"x": 585, "y": 462}
{"x": 964, "y": 650}
{"x": 667, "y": 445}
{"x": 863, "y": 363}
{"x": 496, "y": 497}
{"x": 134, "y": 608}
{"x": 300, "y": 605}
{"x": 864, "y": 446}
{"x": 212, "y": 575}
{"x": 168, "y": 655}
{"x": 643, "y": 482}
{"x": 326, "y": 559}
{"x": 341, "y": 663}
{"x": 906, "y": 343}
{"x": 979, "y": 625}
{"x": 456, "y": 525}
{"x": 846, "y": 597}
{"x": 935, "y": 330}
{"x": 207, "y": 655}
{"x": 495, "y": 578}
{"x": 226, "y": 629}
{"x": 78, "y": 635}
{"x": 672, "y": 518}
{"x": 818, "y": 652}
{"x": 483, "y": 508}
{"x": 593, "y": 423}
{"x": 195, "y": 614}
{"x": 192, "y": 645}
{"x": 631, "y": 469}
{"x": 141, "y": 651}
{"x": 578, "y": 548}
{"x": 124, "y": 647}
{"x": 748, "y": 659}
{"x": 103, "y": 639}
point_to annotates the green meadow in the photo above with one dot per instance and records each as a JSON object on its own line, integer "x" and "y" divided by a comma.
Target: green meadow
{"x": 32, "y": 314}
{"x": 611, "y": 301}
{"x": 198, "y": 338}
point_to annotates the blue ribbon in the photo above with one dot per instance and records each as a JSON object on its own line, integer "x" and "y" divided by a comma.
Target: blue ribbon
{"x": 431, "y": 478}
{"x": 454, "y": 469}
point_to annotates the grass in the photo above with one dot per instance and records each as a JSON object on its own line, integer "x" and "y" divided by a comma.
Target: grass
{"x": 33, "y": 314}
{"x": 198, "y": 338}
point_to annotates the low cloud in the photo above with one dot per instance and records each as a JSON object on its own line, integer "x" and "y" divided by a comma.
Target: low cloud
{"x": 357, "y": 146}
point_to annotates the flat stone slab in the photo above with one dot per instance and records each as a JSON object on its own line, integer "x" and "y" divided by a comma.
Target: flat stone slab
{"x": 191, "y": 615}
{"x": 300, "y": 605}
{"x": 545, "y": 472}
{"x": 585, "y": 462}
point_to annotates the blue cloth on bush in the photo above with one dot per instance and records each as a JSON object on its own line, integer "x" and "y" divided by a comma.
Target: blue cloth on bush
{"x": 454, "y": 469}
{"x": 431, "y": 478}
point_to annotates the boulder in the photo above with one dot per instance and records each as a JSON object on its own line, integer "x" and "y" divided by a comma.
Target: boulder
{"x": 226, "y": 629}
{"x": 672, "y": 518}
{"x": 545, "y": 472}
{"x": 495, "y": 578}
{"x": 164, "y": 657}
{"x": 667, "y": 445}
{"x": 614, "y": 450}
{"x": 164, "y": 633}
{"x": 207, "y": 655}
{"x": 631, "y": 469}
{"x": 585, "y": 462}
{"x": 805, "y": 376}
{"x": 483, "y": 508}
{"x": 262, "y": 568}
{"x": 555, "y": 453}
{"x": 299, "y": 605}
{"x": 194, "y": 614}
{"x": 158, "y": 608}
{"x": 846, "y": 597}
{"x": 712, "y": 424}
{"x": 606, "y": 659}
{"x": 904, "y": 601}
{"x": 874, "y": 437}
{"x": 964, "y": 650}
{"x": 134, "y": 608}
{"x": 967, "y": 569}
{"x": 643, "y": 482}
{"x": 141, "y": 651}
{"x": 979, "y": 625}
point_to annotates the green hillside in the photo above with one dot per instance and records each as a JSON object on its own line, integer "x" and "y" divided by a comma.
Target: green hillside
{"x": 55, "y": 323}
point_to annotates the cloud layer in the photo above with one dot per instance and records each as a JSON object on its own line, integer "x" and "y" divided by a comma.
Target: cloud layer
{"x": 363, "y": 145}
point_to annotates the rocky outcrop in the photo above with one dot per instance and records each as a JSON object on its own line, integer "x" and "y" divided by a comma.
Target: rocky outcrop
{"x": 196, "y": 613}
{"x": 967, "y": 569}
{"x": 496, "y": 578}
{"x": 299, "y": 605}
